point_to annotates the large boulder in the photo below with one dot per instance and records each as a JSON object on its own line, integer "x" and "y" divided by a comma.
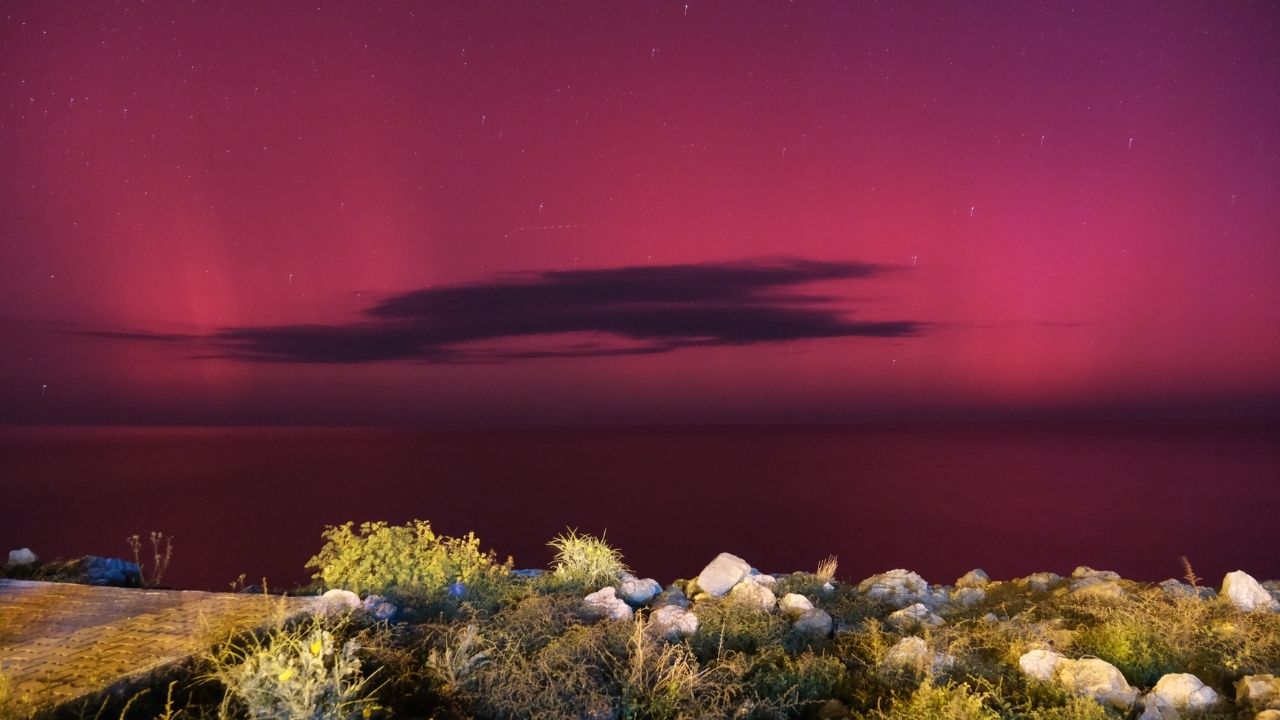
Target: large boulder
{"x": 1258, "y": 691}
{"x": 637, "y": 591}
{"x": 22, "y": 556}
{"x": 899, "y": 588}
{"x": 914, "y": 616}
{"x": 749, "y": 593}
{"x": 976, "y": 578}
{"x": 912, "y": 653}
{"x": 1084, "y": 571}
{"x": 1246, "y": 595}
{"x": 1096, "y": 587}
{"x": 672, "y": 622}
{"x": 968, "y": 596}
{"x": 1184, "y": 691}
{"x": 721, "y": 574}
{"x": 606, "y": 603}
{"x": 1097, "y": 679}
{"x": 814, "y": 622}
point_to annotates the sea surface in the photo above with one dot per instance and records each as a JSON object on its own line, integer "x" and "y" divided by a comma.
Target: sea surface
{"x": 937, "y": 499}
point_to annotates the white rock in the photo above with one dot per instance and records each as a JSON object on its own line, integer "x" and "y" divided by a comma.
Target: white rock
{"x": 754, "y": 595}
{"x": 828, "y": 587}
{"x": 912, "y": 653}
{"x": 338, "y": 600}
{"x": 1040, "y": 664}
{"x": 976, "y": 578}
{"x": 991, "y": 618}
{"x": 1258, "y": 691}
{"x": 768, "y": 581}
{"x": 814, "y": 622}
{"x": 22, "y": 556}
{"x": 1246, "y": 595}
{"x": 721, "y": 574}
{"x": 969, "y": 596}
{"x": 1097, "y": 679}
{"x": 914, "y": 615}
{"x": 606, "y": 603}
{"x": 637, "y": 591}
{"x": 1184, "y": 691}
{"x": 896, "y": 587}
{"x": 672, "y": 622}
{"x": 794, "y": 605}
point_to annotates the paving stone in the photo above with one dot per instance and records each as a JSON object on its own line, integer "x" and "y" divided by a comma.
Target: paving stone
{"x": 62, "y": 641}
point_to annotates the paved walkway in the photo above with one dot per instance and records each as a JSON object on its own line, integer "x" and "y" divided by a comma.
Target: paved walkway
{"x": 60, "y": 642}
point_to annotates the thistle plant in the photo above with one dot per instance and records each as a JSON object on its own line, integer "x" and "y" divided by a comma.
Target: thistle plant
{"x": 301, "y": 673}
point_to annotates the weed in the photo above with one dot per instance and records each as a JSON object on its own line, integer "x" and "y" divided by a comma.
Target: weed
{"x": 826, "y": 571}
{"x": 300, "y": 672}
{"x": 162, "y": 554}
{"x": 585, "y": 561}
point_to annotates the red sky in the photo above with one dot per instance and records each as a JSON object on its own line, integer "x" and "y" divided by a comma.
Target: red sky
{"x": 210, "y": 211}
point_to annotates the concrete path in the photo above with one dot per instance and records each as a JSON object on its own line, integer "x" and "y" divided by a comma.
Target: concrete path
{"x": 60, "y": 642}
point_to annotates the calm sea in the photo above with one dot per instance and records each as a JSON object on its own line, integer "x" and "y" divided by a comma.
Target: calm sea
{"x": 1012, "y": 499}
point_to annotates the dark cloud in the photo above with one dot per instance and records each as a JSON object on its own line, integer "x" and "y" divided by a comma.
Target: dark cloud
{"x": 634, "y": 310}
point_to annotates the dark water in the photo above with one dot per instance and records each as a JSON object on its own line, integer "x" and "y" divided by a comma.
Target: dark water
{"x": 936, "y": 499}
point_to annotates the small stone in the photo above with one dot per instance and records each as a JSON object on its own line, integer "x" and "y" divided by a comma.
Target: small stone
{"x": 1258, "y": 691}
{"x": 1040, "y": 664}
{"x": 991, "y": 618}
{"x": 637, "y": 591}
{"x": 768, "y": 581}
{"x": 1246, "y": 595}
{"x": 969, "y": 596}
{"x": 754, "y": 595}
{"x": 1097, "y": 587}
{"x": 1184, "y": 691}
{"x": 338, "y": 600}
{"x": 1174, "y": 589}
{"x": 22, "y": 556}
{"x": 1084, "y": 571}
{"x": 722, "y": 574}
{"x": 672, "y": 622}
{"x": 606, "y": 603}
{"x": 794, "y": 605}
{"x": 1155, "y": 707}
{"x": 912, "y": 653}
{"x": 1042, "y": 581}
{"x": 379, "y": 607}
{"x": 896, "y": 587}
{"x": 915, "y": 616}
{"x": 814, "y": 622}
{"x": 976, "y": 578}
{"x": 673, "y": 595}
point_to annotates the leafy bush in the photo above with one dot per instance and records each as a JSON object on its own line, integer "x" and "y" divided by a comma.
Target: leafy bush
{"x": 403, "y": 559}
{"x": 586, "y": 561}
{"x": 300, "y": 673}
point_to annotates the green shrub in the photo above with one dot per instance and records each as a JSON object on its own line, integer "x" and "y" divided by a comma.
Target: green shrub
{"x": 937, "y": 702}
{"x": 403, "y": 559}
{"x": 585, "y": 561}
{"x": 301, "y": 673}
{"x": 727, "y": 626}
